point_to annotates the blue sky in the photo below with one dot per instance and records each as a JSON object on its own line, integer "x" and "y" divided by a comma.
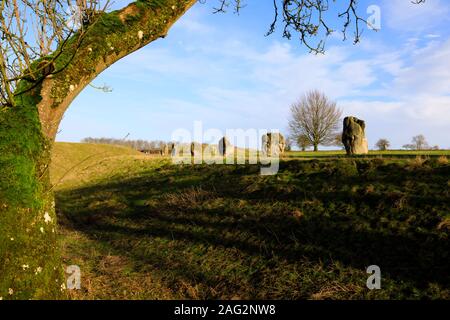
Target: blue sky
{"x": 222, "y": 70}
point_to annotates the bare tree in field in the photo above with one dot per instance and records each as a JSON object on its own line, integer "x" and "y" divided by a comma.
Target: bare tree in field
{"x": 419, "y": 142}
{"x": 303, "y": 142}
{"x": 315, "y": 117}
{"x": 288, "y": 143}
{"x": 383, "y": 144}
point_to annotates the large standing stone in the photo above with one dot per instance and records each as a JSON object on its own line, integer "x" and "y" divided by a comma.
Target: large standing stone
{"x": 173, "y": 149}
{"x": 354, "y": 136}
{"x": 164, "y": 149}
{"x": 193, "y": 149}
{"x": 224, "y": 146}
{"x": 273, "y": 144}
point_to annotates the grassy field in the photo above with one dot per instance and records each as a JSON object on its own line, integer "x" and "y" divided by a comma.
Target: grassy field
{"x": 142, "y": 228}
{"x": 377, "y": 154}
{"x": 81, "y": 162}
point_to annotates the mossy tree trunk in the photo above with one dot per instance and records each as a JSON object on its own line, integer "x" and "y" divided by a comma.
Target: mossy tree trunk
{"x": 30, "y": 266}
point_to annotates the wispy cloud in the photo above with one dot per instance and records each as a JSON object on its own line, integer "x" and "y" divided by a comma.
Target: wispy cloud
{"x": 406, "y": 16}
{"x": 233, "y": 81}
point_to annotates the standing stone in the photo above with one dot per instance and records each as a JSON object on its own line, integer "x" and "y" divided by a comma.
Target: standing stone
{"x": 165, "y": 149}
{"x": 354, "y": 136}
{"x": 173, "y": 150}
{"x": 224, "y": 146}
{"x": 193, "y": 149}
{"x": 273, "y": 144}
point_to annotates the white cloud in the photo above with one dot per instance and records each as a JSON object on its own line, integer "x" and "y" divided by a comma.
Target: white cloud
{"x": 260, "y": 84}
{"x": 406, "y": 16}
{"x": 229, "y": 81}
{"x": 432, "y": 36}
{"x": 430, "y": 110}
{"x": 192, "y": 24}
{"x": 426, "y": 75}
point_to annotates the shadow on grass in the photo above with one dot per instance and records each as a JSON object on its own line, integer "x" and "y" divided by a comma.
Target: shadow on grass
{"x": 195, "y": 223}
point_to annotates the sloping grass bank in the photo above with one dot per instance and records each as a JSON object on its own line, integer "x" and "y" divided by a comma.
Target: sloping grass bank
{"x": 148, "y": 229}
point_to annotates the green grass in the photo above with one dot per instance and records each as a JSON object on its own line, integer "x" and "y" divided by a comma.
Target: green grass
{"x": 142, "y": 228}
{"x": 82, "y": 162}
{"x": 372, "y": 153}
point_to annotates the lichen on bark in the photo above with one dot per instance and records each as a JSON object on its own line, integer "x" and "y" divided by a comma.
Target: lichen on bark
{"x": 29, "y": 259}
{"x": 30, "y": 265}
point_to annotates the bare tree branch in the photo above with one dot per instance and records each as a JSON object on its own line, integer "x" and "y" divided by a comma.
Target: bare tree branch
{"x": 33, "y": 34}
{"x": 307, "y": 19}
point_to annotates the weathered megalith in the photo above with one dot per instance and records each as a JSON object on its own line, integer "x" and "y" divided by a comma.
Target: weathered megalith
{"x": 193, "y": 149}
{"x": 354, "y": 137}
{"x": 173, "y": 149}
{"x": 224, "y": 146}
{"x": 165, "y": 149}
{"x": 273, "y": 144}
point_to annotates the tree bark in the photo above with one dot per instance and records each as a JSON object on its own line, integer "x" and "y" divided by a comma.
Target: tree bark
{"x": 316, "y": 147}
{"x": 30, "y": 265}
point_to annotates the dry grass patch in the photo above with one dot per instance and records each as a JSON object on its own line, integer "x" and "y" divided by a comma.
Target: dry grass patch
{"x": 417, "y": 162}
{"x": 189, "y": 197}
{"x": 442, "y": 160}
{"x": 444, "y": 224}
{"x": 333, "y": 290}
